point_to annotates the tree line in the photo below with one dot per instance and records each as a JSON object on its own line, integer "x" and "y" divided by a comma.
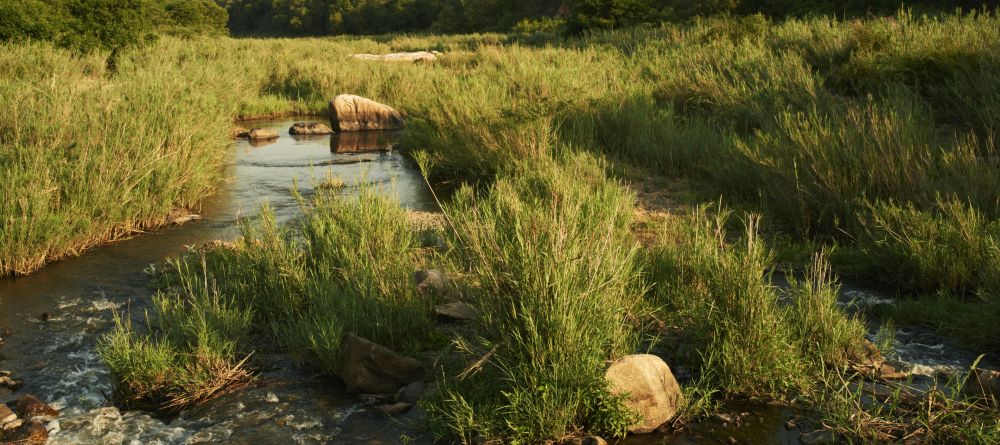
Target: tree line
{"x": 112, "y": 24}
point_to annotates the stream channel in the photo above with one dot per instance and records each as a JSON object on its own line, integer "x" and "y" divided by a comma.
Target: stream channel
{"x": 51, "y": 320}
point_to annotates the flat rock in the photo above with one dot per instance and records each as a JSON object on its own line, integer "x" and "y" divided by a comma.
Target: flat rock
{"x": 456, "y": 311}
{"x": 394, "y": 409}
{"x": 410, "y": 393}
{"x": 355, "y": 113}
{"x": 374, "y": 369}
{"x": 261, "y": 134}
{"x": 415, "y": 56}
{"x": 309, "y": 128}
{"x": 652, "y": 390}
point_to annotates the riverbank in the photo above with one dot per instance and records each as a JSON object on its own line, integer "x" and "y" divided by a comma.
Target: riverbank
{"x": 876, "y": 135}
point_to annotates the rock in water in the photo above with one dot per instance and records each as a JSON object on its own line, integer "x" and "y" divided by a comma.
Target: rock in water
{"x": 652, "y": 390}
{"x": 309, "y": 128}
{"x": 260, "y": 134}
{"x": 31, "y": 433}
{"x": 6, "y": 415}
{"x": 355, "y": 113}
{"x": 416, "y": 56}
{"x": 29, "y": 406}
{"x": 983, "y": 383}
{"x": 371, "y": 368}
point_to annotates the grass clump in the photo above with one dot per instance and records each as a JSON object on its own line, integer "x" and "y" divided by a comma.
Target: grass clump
{"x": 724, "y": 318}
{"x": 557, "y": 276}
{"x": 347, "y": 266}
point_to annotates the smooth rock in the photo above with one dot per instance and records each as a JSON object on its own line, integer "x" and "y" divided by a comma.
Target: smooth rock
{"x": 456, "y": 311}
{"x": 818, "y": 437}
{"x": 31, "y": 433}
{"x": 11, "y": 425}
{"x": 983, "y": 383}
{"x": 430, "y": 281}
{"x": 260, "y": 134}
{"x": 29, "y": 406}
{"x": 410, "y": 393}
{"x": 394, "y": 409}
{"x": 355, "y": 113}
{"x": 309, "y": 128}
{"x": 652, "y": 390}
{"x": 595, "y": 440}
{"x": 416, "y": 56}
{"x": 375, "y": 369}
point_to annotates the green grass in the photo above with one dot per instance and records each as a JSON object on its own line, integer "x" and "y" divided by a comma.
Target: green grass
{"x": 557, "y": 281}
{"x": 876, "y": 136}
{"x": 347, "y": 267}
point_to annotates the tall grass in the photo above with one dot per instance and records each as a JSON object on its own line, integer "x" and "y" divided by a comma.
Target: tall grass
{"x": 557, "y": 276}
{"x": 347, "y": 267}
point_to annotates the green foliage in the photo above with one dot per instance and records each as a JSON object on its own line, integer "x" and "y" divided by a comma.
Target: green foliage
{"x": 349, "y": 270}
{"x": 725, "y": 318}
{"x": 557, "y": 274}
{"x": 106, "y": 24}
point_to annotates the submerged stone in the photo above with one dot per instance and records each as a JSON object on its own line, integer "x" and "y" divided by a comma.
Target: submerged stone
{"x": 652, "y": 390}
{"x": 309, "y": 128}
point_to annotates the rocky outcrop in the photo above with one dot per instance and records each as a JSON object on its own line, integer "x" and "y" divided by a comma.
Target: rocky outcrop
{"x": 307, "y": 128}
{"x": 261, "y": 134}
{"x": 653, "y": 392}
{"x": 374, "y": 369}
{"x": 411, "y": 57}
{"x": 983, "y": 383}
{"x": 355, "y": 113}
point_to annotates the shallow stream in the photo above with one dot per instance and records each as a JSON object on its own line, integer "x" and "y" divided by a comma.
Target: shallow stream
{"x": 56, "y": 315}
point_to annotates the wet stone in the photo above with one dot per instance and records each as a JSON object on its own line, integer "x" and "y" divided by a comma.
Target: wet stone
{"x": 31, "y": 433}
{"x": 6, "y": 415}
{"x": 29, "y": 406}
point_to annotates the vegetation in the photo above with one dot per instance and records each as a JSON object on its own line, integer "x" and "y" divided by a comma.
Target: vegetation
{"x": 875, "y": 134}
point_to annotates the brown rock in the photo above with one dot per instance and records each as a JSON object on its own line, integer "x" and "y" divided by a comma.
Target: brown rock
{"x": 456, "y": 311}
{"x": 29, "y": 406}
{"x": 31, "y": 433}
{"x": 594, "y": 440}
{"x": 6, "y": 415}
{"x": 652, "y": 390}
{"x": 374, "y": 369}
{"x": 355, "y": 113}
{"x": 309, "y": 128}
{"x": 260, "y": 134}
{"x": 8, "y": 382}
{"x": 983, "y": 383}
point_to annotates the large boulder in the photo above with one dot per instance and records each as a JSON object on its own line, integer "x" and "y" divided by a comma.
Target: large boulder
{"x": 983, "y": 383}
{"x": 355, "y": 113}
{"x": 652, "y": 390}
{"x": 374, "y": 369}
{"x": 309, "y": 128}
{"x": 416, "y": 56}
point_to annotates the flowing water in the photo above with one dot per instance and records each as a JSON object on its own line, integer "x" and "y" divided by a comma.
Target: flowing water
{"x": 50, "y": 321}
